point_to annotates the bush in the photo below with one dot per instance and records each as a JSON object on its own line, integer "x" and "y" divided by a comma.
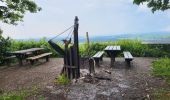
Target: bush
{"x": 5, "y": 46}
{"x": 20, "y": 45}
{"x": 134, "y": 46}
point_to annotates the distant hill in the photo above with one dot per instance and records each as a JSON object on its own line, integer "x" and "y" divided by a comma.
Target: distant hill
{"x": 153, "y": 36}
{"x": 142, "y": 37}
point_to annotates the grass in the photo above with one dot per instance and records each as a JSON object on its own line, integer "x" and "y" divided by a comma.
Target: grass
{"x": 161, "y": 94}
{"x": 19, "y": 95}
{"x": 161, "y": 67}
{"x": 62, "y": 80}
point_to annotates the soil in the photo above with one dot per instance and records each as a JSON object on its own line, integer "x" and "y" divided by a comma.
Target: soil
{"x": 43, "y": 73}
{"x": 125, "y": 83}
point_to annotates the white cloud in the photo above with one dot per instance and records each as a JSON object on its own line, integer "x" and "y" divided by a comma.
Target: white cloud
{"x": 98, "y": 17}
{"x": 167, "y": 29}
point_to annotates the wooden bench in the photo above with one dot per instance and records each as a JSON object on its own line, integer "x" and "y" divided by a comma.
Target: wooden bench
{"x": 8, "y": 59}
{"x": 32, "y": 59}
{"x": 98, "y": 57}
{"x": 128, "y": 57}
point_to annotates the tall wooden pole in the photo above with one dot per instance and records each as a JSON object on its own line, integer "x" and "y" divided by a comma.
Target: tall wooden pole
{"x": 87, "y": 37}
{"x": 88, "y": 41}
{"x": 76, "y": 46}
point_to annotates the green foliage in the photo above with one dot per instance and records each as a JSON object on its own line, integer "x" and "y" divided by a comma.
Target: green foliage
{"x": 13, "y": 96}
{"x": 19, "y": 95}
{"x": 134, "y": 46}
{"x": 161, "y": 67}
{"x": 13, "y": 11}
{"x": 5, "y": 44}
{"x": 161, "y": 94}
{"x": 62, "y": 80}
{"x": 155, "y": 4}
{"x": 20, "y": 45}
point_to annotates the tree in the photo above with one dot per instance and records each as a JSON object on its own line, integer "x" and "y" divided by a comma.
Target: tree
{"x": 5, "y": 44}
{"x": 155, "y": 4}
{"x": 12, "y": 11}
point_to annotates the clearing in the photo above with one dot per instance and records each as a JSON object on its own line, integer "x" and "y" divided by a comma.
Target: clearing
{"x": 128, "y": 83}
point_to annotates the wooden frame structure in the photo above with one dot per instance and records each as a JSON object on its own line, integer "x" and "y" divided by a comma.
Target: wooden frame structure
{"x": 71, "y": 53}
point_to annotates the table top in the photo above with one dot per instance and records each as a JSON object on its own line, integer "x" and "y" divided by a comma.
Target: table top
{"x": 112, "y": 48}
{"x": 27, "y": 50}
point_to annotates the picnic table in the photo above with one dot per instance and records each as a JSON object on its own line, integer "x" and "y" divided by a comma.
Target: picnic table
{"x": 112, "y": 52}
{"x": 23, "y": 54}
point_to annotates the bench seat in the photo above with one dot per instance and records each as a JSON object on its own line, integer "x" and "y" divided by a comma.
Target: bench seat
{"x": 8, "y": 59}
{"x": 98, "y": 57}
{"x": 128, "y": 57}
{"x": 32, "y": 59}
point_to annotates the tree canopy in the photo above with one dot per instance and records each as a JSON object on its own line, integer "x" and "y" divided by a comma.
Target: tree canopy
{"x": 155, "y": 4}
{"x": 12, "y": 11}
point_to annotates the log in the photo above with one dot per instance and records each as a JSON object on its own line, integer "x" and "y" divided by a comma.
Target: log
{"x": 103, "y": 78}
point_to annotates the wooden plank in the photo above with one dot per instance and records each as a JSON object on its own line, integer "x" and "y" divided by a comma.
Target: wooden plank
{"x": 118, "y": 48}
{"x": 10, "y": 57}
{"x": 106, "y": 48}
{"x": 109, "y": 47}
{"x": 114, "y": 48}
{"x": 39, "y": 56}
{"x": 27, "y": 50}
{"x": 128, "y": 55}
{"x": 125, "y": 55}
{"x": 98, "y": 54}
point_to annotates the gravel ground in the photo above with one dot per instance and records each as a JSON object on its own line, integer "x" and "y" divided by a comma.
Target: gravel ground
{"x": 27, "y": 76}
{"x": 127, "y": 83}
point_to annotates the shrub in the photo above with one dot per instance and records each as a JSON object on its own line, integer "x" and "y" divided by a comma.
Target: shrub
{"x": 134, "y": 46}
{"x": 5, "y": 46}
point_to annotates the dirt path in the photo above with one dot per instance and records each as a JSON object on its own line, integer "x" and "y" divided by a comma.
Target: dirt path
{"x": 17, "y": 78}
{"x": 126, "y": 83}
{"x": 134, "y": 83}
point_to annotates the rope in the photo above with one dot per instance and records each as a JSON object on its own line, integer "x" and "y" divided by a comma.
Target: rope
{"x": 71, "y": 31}
{"x": 62, "y": 32}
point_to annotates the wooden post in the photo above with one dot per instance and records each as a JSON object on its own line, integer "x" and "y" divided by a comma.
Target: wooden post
{"x": 88, "y": 41}
{"x": 76, "y": 46}
{"x": 87, "y": 37}
{"x": 91, "y": 65}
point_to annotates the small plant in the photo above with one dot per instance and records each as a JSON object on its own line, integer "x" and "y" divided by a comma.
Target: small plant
{"x": 62, "y": 80}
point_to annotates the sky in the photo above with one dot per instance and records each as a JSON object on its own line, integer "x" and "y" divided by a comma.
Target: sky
{"x": 97, "y": 17}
